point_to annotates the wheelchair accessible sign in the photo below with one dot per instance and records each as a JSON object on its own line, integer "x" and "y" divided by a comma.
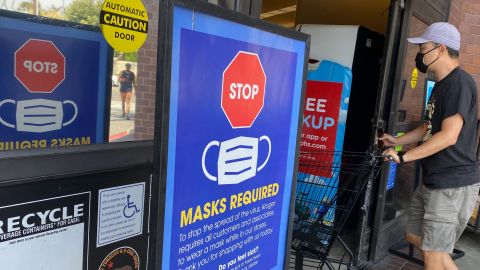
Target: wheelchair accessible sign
{"x": 120, "y": 213}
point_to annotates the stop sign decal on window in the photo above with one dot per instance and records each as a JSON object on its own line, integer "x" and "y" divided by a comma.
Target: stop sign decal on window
{"x": 39, "y": 66}
{"x": 243, "y": 89}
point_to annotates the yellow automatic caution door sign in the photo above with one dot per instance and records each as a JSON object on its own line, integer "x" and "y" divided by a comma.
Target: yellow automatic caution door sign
{"x": 124, "y": 24}
{"x": 413, "y": 82}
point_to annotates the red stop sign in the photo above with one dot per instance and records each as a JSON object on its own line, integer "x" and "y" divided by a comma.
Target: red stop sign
{"x": 243, "y": 89}
{"x": 39, "y": 66}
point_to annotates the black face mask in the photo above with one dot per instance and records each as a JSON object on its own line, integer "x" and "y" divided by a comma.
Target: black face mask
{"x": 419, "y": 61}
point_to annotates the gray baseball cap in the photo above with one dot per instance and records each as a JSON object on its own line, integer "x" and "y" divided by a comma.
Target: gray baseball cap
{"x": 441, "y": 33}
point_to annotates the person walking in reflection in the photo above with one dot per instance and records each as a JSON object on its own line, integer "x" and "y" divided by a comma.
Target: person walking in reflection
{"x": 127, "y": 87}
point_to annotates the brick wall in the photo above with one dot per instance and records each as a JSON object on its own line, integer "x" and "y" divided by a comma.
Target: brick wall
{"x": 455, "y": 12}
{"x": 412, "y": 97}
{"x": 146, "y": 77}
{"x": 466, "y": 16}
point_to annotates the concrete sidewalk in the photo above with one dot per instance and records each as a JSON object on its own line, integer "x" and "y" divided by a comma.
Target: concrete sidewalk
{"x": 469, "y": 243}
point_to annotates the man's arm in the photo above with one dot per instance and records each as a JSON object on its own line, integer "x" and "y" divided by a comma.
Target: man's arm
{"x": 446, "y": 137}
{"x": 410, "y": 137}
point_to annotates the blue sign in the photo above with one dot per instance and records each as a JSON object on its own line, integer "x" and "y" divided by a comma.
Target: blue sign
{"x": 229, "y": 185}
{"x": 74, "y": 112}
{"x": 392, "y": 174}
{"x": 430, "y": 85}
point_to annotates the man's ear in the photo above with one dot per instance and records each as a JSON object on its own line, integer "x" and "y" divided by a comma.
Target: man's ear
{"x": 443, "y": 49}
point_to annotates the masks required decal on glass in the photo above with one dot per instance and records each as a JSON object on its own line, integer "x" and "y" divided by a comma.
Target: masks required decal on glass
{"x": 237, "y": 160}
{"x": 39, "y": 115}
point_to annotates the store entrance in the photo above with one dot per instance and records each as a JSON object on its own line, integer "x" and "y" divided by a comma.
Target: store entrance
{"x": 352, "y": 48}
{"x": 409, "y": 93}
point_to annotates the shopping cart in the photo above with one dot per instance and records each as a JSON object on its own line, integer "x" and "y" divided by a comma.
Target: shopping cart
{"x": 329, "y": 184}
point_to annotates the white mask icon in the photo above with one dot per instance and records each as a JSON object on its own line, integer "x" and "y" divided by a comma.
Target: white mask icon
{"x": 39, "y": 115}
{"x": 237, "y": 160}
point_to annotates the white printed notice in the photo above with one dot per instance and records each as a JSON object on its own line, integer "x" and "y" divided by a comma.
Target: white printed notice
{"x": 120, "y": 213}
{"x": 46, "y": 234}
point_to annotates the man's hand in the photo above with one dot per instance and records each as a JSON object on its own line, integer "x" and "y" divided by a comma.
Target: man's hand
{"x": 389, "y": 140}
{"x": 392, "y": 155}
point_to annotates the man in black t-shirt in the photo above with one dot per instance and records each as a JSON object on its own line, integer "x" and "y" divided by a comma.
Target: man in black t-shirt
{"x": 442, "y": 205}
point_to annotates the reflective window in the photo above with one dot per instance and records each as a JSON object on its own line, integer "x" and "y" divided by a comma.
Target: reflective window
{"x": 63, "y": 85}
{"x": 402, "y": 178}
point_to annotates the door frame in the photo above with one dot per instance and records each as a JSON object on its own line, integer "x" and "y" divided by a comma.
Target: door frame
{"x": 385, "y": 235}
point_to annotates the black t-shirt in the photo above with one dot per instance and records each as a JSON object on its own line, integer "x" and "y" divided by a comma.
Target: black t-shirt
{"x": 456, "y": 165}
{"x": 129, "y": 77}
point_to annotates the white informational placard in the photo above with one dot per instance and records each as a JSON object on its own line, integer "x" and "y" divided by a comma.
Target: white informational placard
{"x": 120, "y": 213}
{"x": 43, "y": 247}
{"x": 45, "y": 234}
